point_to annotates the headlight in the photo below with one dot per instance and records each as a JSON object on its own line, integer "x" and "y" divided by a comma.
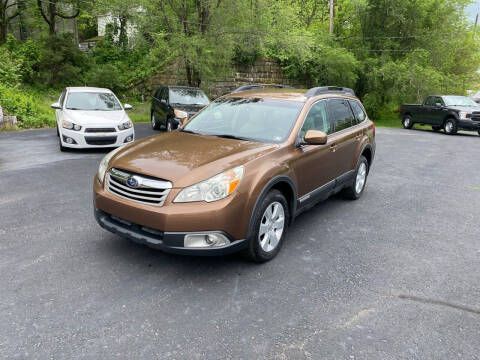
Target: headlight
{"x": 463, "y": 115}
{"x": 126, "y": 125}
{"x": 213, "y": 189}
{"x": 70, "y": 126}
{"x": 179, "y": 114}
{"x": 102, "y": 168}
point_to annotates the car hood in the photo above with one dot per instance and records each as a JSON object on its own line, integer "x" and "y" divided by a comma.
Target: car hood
{"x": 90, "y": 117}
{"x": 468, "y": 109}
{"x": 186, "y": 159}
{"x": 190, "y": 109}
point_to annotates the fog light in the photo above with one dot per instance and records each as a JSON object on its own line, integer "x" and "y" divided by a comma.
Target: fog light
{"x": 205, "y": 240}
{"x": 128, "y": 138}
{"x": 68, "y": 140}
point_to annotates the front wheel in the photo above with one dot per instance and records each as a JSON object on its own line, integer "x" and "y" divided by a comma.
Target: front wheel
{"x": 355, "y": 190}
{"x": 154, "y": 122}
{"x": 270, "y": 227}
{"x": 450, "y": 127}
{"x": 169, "y": 125}
{"x": 60, "y": 146}
{"x": 407, "y": 122}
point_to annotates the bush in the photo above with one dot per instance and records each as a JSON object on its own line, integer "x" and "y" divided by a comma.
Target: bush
{"x": 25, "y": 105}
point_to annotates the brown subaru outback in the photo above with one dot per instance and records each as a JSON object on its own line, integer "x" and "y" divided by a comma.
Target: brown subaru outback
{"x": 234, "y": 176}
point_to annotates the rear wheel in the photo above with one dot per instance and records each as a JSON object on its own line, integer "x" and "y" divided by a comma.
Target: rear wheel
{"x": 450, "y": 127}
{"x": 478, "y": 132}
{"x": 169, "y": 125}
{"x": 355, "y": 190}
{"x": 270, "y": 227}
{"x": 436, "y": 128}
{"x": 407, "y": 122}
{"x": 154, "y": 122}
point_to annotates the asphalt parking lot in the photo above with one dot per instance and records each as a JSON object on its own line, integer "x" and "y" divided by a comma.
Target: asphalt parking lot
{"x": 394, "y": 275}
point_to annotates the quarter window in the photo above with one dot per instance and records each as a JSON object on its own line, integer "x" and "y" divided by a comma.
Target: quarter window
{"x": 340, "y": 114}
{"x": 358, "y": 111}
{"x": 317, "y": 119}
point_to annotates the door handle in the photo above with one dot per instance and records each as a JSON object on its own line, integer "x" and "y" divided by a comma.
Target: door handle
{"x": 333, "y": 147}
{"x": 358, "y": 137}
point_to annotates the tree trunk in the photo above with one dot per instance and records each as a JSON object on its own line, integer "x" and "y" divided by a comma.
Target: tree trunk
{"x": 52, "y": 7}
{"x": 3, "y": 24}
{"x": 123, "y": 36}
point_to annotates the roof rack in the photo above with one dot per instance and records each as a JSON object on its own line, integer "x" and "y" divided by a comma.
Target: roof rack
{"x": 329, "y": 89}
{"x": 260, "y": 86}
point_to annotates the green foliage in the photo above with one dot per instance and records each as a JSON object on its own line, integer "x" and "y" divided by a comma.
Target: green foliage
{"x": 25, "y": 105}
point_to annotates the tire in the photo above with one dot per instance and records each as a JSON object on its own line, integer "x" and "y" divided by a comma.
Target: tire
{"x": 266, "y": 240}
{"x": 478, "y": 132}
{"x": 169, "y": 125}
{"x": 407, "y": 122}
{"x": 436, "y": 128}
{"x": 355, "y": 190}
{"x": 450, "y": 126}
{"x": 154, "y": 122}
{"x": 58, "y": 132}
{"x": 60, "y": 146}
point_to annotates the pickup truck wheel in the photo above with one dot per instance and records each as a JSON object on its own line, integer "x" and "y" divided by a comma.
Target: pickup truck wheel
{"x": 355, "y": 190}
{"x": 270, "y": 226}
{"x": 407, "y": 122}
{"x": 154, "y": 122}
{"x": 169, "y": 125}
{"x": 436, "y": 128}
{"x": 478, "y": 132}
{"x": 450, "y": 127}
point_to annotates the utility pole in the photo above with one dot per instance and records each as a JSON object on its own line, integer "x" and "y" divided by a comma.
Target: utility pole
{"x": 331, "y": 17}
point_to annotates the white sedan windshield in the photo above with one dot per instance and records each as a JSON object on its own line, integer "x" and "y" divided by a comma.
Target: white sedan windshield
{"x": 92, "y": 101}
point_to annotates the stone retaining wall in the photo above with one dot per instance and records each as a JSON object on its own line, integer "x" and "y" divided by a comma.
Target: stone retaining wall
{"x": 263, "y": 71}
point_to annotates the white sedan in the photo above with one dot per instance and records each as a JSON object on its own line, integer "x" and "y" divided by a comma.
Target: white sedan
{"x": 92, "y": 118}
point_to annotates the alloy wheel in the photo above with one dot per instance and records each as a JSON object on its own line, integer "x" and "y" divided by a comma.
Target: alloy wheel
{"x": 361, "y": 178}
{"x": 271, "y": 226}
{"x": 448, "y": 127}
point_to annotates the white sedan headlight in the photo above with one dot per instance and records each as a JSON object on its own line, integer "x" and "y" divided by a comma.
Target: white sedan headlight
{"x": 102, "y": 168}
{"x": 126, "y": 125}
{"x": 71, "y": 126}
{"x": 213, "y": 189}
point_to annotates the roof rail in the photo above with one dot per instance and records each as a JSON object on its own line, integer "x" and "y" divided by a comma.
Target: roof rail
{"x": 260, "y": 86}
{"x": 329, "y": 89}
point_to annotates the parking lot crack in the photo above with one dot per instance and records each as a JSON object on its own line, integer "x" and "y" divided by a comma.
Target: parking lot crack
{"x": 439, "y": 302}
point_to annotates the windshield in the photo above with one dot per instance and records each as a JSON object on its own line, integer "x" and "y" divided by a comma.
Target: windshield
{"x": 459, "y": 101}
{"x": 188, "y": 97}
{"x": 92, "y": 101}
{"x": 263, "y": 120}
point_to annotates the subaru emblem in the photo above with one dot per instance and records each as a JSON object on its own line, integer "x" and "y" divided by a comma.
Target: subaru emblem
{"x": 132, "y": 182}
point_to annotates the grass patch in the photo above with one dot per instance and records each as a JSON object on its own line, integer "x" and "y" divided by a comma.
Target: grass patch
{"x": 140, "y": 112}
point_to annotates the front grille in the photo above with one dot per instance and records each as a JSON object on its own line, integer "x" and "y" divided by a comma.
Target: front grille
{"x": 100, "y": 130}
{"x": 475, "y": 116}
{"x": 142, "y": 189}
{"x": 100, "y": 140}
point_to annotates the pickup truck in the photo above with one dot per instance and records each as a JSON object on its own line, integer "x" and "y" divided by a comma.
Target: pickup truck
{"x": 448, "y": 112}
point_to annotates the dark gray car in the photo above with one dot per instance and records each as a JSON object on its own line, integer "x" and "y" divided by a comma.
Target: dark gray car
{"x": 171, "y": 105}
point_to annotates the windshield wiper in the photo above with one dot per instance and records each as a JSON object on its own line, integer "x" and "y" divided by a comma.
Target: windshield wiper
{"x": 228, "y": 136}
{"x": 72, "y": 108}
{"x": 191, "y": 132}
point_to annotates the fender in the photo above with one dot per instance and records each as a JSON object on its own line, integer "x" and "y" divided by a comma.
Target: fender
{"x": 266, "y": 188}
{"x": 367, "y": 145}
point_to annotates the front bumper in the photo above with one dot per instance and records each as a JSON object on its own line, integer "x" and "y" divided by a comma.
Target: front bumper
{"x": 467, "y": 124}
{"x": 171, "y": 242}
{"x": 94, "y": 140}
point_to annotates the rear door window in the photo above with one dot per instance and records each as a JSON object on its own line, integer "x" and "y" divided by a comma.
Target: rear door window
{"x": 340, "y": 114}
{"x": 358, "y": 111}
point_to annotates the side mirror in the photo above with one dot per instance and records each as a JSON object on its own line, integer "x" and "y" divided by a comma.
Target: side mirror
{"x": 438, "y": 105}
{"x": 56, "y": 106}
{"x": 315, "y": 137}
{"x": 127, "y": 107}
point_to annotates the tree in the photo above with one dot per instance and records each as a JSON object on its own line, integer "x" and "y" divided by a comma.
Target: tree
{"x": 51, "y": 9}
{"x": 9, "y": 9}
